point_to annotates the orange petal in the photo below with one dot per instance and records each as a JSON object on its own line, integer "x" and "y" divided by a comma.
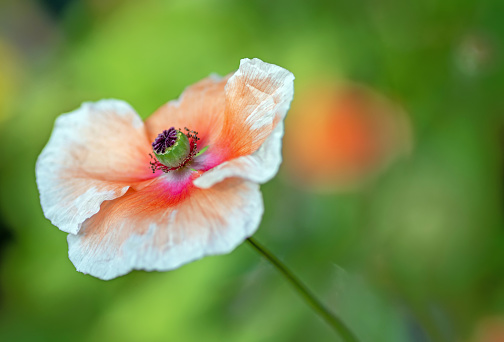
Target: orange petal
{"x": 258, "y": 97}
{"x": 164, "y": 225}
{"x": 95, "y": 154}
{"x": 259, "y": 167}
{"x": 199, "y": 108}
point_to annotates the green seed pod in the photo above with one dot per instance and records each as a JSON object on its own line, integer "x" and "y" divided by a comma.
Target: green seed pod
{"x": 171, "y": 148}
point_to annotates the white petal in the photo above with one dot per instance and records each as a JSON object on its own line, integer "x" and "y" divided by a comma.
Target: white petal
{"x": 208, "y": 222}
{"x": 93, "y": 155}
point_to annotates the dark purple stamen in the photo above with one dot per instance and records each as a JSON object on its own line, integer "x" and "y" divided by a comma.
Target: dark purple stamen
{"x": 164, "y": 140}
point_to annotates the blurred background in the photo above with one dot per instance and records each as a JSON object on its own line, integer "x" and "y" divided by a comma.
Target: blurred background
{"x": 389, "y": 203}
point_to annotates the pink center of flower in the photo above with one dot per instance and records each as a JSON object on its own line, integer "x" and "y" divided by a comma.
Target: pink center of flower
{"x": 167, "y": 139}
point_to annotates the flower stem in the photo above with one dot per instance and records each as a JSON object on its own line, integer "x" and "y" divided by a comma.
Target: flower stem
{"x": 335, "y": 322}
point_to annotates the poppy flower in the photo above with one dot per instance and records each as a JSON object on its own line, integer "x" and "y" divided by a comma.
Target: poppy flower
{"x": 183, "y": 184}
{"x": 358, "y": 132}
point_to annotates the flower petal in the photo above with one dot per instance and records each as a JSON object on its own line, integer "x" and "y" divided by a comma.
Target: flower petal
{"x": 258, "y": 97}
{"x": 164, "y": 225}
{"x": 200, "y": 108}
{"x": 95, "y": 154}
{"x": 259, "y": 167}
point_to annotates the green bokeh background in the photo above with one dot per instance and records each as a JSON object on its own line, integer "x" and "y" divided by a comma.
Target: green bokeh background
{"x": 415, "y": 255}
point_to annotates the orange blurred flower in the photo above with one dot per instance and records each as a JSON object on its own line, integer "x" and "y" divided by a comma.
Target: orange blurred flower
{"x": 339, "y": 135}
{"x": 490, "y": 329}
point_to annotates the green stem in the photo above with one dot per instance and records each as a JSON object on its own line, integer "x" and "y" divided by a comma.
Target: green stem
{"x": 335, "y": 322}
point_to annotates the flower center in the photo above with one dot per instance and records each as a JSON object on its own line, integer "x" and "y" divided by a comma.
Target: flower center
{"x": 173, "y": 149}
{"x": 164, "y": 140}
